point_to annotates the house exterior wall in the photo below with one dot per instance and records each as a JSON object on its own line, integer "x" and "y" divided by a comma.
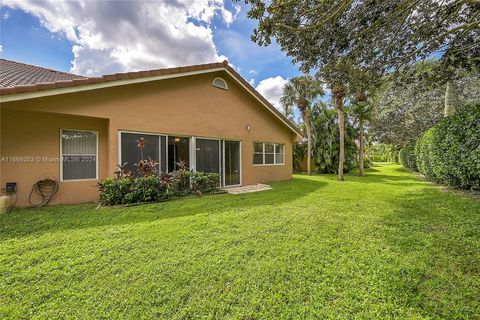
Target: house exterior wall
{"x": 31, "y": 151}
{"x": 188, "y": 106}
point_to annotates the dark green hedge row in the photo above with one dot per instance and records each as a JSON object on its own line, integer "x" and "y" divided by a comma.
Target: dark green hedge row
{"x": 449, "y": 152}
{"x": 407, "y": 157}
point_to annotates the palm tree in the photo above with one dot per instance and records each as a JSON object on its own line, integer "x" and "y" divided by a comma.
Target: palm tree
{"x": 363, "y": 111}
{"x": 339, "y": 93}
{"x": 301, "y": 92}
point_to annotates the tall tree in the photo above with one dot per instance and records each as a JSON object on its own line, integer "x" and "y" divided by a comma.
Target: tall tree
{"x": 326, "y": 142}
{"x": 363, "y": 83}
{"x": 407, "y": 106}
{"x": 362, "y": 109}
{"x": 302, "y": 92}
{"x": 331, "y": 35}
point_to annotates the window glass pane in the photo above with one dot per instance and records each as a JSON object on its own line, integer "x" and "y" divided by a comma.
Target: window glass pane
{"x": 207, "y": 155}
{"x": 220, "y": 83}
{"x": 258, "y": 147}
{"x": 279, "y": 157}
{"x": 178, "y": 149}
{"x": 130, "y": 152}
{"x": 258, "y": 159}
{"x": 79, "y": 154}
{"x": 279, "y": 148}
{"x": 79, "y": 167}
{"x": 79, "y": 142}
{"x": 269, "y": 148}
{"x": 269, "y": 158}
{"x": 232, "y": 163}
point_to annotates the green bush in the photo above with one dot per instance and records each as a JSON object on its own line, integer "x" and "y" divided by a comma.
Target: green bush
{"x": 131, "y": 190}
{"x": 450, "y": 151}
{"x": 368, "y": 163}
{"x": 384, "y": 153}
{"x": 113, "y": 191}
{"x": 424, "y": 154}
{"x": 407, "y": 157}
{"x": 326, "y": 141}
{"x": 205, "y": 182}
{"x": 299, "y": 152}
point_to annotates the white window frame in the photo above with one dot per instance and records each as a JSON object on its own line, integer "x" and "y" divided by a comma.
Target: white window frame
{"x": 62, "y": 155}
{"x": 223, "y": 80}
{"x": 274, "y": 154}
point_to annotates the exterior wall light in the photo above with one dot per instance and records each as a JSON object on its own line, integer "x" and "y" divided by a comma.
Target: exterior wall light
{"x": 248, "y": 127}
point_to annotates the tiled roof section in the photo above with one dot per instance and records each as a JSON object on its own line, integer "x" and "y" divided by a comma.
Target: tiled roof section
{"x": 79, "y": 81}
{"x": 64, "y": 83}
{"x": 13, "y": 74}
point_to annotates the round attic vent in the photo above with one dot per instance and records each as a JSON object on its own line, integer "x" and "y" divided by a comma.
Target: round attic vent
{"x": 220, "y": 83}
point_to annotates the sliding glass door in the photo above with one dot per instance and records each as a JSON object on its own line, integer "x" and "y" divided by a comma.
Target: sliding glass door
{"x": 232, "y": 164}
{"x": 207, "y": 155}
{"x": 178, "y": 150}
{"x": 200, "y": 154}
{"x": 131, "y": 153}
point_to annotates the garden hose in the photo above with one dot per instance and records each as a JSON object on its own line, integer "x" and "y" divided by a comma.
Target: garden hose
{"x": 46, "y": 189}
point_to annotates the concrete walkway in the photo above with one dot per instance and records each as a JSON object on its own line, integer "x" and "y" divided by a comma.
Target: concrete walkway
{"x": 246, "y": 189}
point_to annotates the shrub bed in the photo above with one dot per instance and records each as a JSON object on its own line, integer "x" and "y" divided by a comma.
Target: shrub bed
{"x": 150, "y": 186}
{"x": 449, "y": 152}
{"x": 156, "y": 188}
{"x": 407, "y": 157}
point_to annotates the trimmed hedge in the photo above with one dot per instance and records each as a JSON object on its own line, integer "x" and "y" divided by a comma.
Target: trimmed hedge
{"x": 407, "y": 157}
{"x": 449, "y": 152}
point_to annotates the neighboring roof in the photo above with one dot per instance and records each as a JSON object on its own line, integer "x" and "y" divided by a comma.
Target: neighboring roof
{"x": 20, "y": 81}
{"x": 14, "y": 74}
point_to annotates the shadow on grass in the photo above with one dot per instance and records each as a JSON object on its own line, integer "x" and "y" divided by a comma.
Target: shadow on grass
{"x": 26, "y": 222}
{"x": 439, "y": 232}
{"x": 374, "y": 176}
{"x": 434, "y": 225}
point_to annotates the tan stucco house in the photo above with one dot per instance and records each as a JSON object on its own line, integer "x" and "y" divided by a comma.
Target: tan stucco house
{"x": 77, "y": 129}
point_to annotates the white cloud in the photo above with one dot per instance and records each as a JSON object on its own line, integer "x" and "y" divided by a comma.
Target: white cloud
{"x": 252, "y": 82}
{"x": 272, "y": 89}
{"x": 1, "y": 48}
{"x": 118, "y": 36}
{"x": 253, "y": 72}
{"x": 6, "y": 15}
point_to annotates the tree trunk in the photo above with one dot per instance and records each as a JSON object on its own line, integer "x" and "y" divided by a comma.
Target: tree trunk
{"x": 306, "y": 121}
{"x": 450, "y": 100}
{"x": 341, "y": 128}
{"x": 361, "y": 151}
{"x": 338, "y": 92}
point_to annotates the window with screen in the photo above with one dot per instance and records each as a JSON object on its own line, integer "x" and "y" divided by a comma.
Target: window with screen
{"x": 265, "y": 153}
{"x": 78, "y": 155}
{"x": 152, "y": 148}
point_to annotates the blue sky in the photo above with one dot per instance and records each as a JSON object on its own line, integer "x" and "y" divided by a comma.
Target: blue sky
{"x": 94, "y": 38}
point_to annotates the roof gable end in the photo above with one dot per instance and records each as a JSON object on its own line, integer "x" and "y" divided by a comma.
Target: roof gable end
{"x": 60, "y": 82}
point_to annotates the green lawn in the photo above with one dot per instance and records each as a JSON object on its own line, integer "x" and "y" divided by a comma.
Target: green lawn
{"x": 387, "y": 245}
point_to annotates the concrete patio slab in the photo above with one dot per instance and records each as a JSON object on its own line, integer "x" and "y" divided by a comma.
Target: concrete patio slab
{"x": 246, "y": 189}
